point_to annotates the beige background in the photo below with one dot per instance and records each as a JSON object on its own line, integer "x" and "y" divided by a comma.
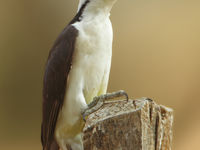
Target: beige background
{"x": 156, "y": 53}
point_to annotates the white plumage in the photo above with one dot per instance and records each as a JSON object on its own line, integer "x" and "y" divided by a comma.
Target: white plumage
{"x": 90, "y": 70}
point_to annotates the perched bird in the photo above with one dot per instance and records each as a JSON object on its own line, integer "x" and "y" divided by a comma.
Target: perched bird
{"x": 77, "y": 70}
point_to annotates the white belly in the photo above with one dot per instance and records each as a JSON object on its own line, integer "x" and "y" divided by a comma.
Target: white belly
{"x": 89, "y": 73}
{"x": 91, "y": 61}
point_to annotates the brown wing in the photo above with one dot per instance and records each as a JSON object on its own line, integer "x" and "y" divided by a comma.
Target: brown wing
{"x": 55, "y": 80}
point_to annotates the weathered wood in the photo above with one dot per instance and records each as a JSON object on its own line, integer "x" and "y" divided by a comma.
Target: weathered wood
{"x": 133, "y": 125}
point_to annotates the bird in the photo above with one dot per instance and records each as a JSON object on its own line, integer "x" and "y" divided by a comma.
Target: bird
{"x": 76, "y": 71}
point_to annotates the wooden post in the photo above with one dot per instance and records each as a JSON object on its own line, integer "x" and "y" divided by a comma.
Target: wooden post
{"x": 134, "y": 125}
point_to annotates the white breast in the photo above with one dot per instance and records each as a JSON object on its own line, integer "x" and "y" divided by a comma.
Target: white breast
{"x": 90, "y": 72}
{"x": 93, "y": 54}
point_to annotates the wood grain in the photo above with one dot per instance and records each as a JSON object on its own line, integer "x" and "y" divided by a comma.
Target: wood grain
{"x": 134, "y": 125}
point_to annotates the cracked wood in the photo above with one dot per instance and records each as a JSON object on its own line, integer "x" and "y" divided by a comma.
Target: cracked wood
{"x": 134, "y": 125}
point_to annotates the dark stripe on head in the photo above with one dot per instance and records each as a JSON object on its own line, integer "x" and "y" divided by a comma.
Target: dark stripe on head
{"x": 78, "y": 16}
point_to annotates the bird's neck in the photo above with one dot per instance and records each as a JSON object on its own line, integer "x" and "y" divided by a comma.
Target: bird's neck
{"x": 95, "y": 8}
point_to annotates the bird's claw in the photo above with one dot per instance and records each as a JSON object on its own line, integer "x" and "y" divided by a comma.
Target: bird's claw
{"x": 98, "y": 101}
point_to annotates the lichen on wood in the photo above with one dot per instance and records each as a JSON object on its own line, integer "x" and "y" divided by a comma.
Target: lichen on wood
{"x": 134, "y": 125}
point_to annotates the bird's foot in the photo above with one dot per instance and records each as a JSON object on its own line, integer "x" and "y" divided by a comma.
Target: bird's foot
{"x": 98, "y": 101}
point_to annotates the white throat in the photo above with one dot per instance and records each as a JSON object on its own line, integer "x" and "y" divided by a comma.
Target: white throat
{"x": 96, "y": 6}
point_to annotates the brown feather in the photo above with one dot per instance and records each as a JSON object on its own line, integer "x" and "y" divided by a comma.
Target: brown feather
{"x": 55, "y": 80}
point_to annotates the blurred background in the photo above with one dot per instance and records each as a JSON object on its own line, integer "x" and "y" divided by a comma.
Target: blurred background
{"x": 156, "y": 54}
